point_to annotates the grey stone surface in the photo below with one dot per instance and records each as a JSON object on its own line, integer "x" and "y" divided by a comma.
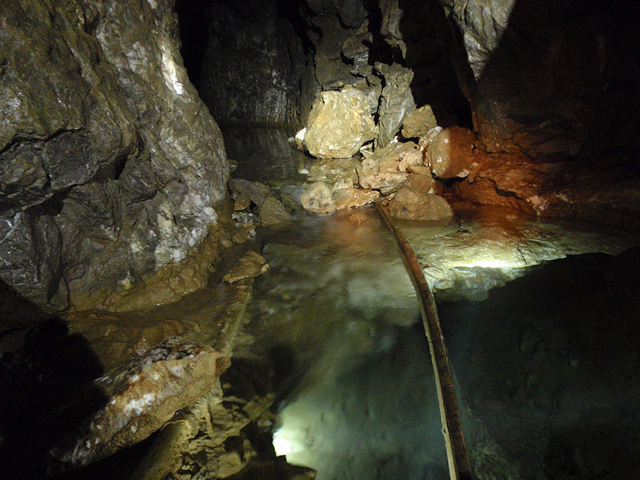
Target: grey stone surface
{"x": 105, "y": 146}
{"x": 396, "y": 101}
{"x": 253, "y": 65}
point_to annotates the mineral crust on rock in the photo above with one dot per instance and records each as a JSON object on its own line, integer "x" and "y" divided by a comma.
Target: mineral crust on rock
{"x": 142, "y": 396}
{"x": 111, "y": 168}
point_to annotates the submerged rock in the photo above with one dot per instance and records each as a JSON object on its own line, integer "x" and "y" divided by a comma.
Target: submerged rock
{"x": 273, "y": 213}
{"x": 339, "y": 124}
{"x": 142, "y": 396}
{"x": 409, "y": 204}
{"x": 250, "y": 265}
{"x": 318, "y": 198}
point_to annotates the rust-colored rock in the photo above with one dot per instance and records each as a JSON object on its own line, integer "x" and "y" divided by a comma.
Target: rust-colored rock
{"x": 449, "y": 152}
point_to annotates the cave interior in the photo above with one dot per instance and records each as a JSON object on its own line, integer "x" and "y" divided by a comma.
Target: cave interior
{"x": 140, "y": 145}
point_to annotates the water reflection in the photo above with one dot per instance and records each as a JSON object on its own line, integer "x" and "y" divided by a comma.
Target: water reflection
{"x": 264, "y": 155}
{"x": 338, "y": 312}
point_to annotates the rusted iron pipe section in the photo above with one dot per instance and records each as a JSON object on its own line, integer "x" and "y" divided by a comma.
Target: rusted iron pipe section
{"x": 459, "y": 467}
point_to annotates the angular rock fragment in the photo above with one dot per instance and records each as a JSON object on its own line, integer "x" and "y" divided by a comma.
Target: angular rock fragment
{"x": 396, "y": 101}
{"x": 339, "y": 124}
{"x": 273, "y": 213}
{"x": 257, "y": 192}
{"x": 449, "y": 153}
{"x": 143, "y": 395}
{"x": 425, "y": 185}
{"x": 250, "y": 265}
{"x": 407, "y": 204}
{"x": 419, "y": 122}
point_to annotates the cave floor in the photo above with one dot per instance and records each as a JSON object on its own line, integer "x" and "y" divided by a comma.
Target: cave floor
{"x": 543, "y": 347}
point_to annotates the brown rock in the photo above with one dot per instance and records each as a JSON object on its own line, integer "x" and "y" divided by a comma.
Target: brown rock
{"x": 419, "y": 122}
{"x": 449, "y": 153}
{"x": 425, "y": 185}
{"x": 241, "y": 202}
{"x": 250, "y": 265}
{"x": 273, "y": 213}
{"x": 408, "y": 204}
{"x": 420, "y": 170}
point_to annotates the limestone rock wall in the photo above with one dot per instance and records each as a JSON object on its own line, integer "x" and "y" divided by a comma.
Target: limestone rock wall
{"x": 110, "y": 165}
{"x": 253, "y": 64}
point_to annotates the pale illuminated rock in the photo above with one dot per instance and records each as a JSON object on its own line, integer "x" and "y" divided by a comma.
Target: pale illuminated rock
{"x": 141, "y": 397}
{"x": 339, "y": 124}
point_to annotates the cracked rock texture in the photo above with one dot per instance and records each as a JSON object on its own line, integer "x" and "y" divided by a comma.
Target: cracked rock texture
{"x": 110, "y": 166}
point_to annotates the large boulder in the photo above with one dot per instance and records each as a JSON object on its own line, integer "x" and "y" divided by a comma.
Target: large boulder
{"x": 396, "y": 101}
{"x": 419, "y": 123}
{"x": 449, "y": 152}
{"x": 142, "y": 396}
{"x": 339, "y": 124}
{"x": 111, "y": 168}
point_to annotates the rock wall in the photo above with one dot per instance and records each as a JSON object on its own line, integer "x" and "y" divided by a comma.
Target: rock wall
{"x": 253, "y": 63}
{"x": 551, "y": 77}
{"x": 110, "y": 166}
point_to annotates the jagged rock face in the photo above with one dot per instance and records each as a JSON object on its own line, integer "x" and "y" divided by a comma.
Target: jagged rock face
{"x": 110, "y": 165}
{"x": 551, "y": 77}
{"x": 253, "y": 65}
{"x": 339, "y": 124}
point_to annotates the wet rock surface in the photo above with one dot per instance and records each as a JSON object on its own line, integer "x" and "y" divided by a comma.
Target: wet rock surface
{"x": 564, "y": 404}
{"x": 142, "y": 396}
{"x": 111, "y": 166}
{"x": 253, "y": 64}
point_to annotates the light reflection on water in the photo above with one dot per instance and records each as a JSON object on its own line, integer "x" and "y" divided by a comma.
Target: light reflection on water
{"x": 338, "y": 313}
